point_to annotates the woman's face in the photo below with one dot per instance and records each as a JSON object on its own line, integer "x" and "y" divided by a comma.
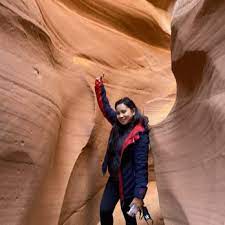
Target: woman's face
{"x": 124, "y": 114}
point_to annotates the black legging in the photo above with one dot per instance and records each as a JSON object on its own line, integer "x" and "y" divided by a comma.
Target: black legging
{"x": 109, "y": 200}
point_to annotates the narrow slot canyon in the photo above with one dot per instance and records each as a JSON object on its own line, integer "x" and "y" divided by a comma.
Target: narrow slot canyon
{"x": 168, "y": 56}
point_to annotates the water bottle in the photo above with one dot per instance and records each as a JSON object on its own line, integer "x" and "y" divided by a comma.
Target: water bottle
{"x": 133, "y": 210}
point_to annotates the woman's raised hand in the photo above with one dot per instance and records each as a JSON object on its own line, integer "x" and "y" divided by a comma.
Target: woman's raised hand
{"x": 99, "y": 80}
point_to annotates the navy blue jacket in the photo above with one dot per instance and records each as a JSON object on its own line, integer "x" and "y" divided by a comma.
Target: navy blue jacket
{"x": 133, "y": 171}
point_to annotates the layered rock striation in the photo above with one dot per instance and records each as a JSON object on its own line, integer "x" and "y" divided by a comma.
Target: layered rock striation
{"x": 189, "y": 152}
{"x": 53, "y": 136}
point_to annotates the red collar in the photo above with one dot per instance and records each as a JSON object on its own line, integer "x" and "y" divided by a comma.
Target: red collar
{"x": 132, "y": 137}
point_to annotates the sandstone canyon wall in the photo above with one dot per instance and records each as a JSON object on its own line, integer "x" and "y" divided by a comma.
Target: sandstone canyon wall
{"x": 53, "y": 136}
{"x": 189, "y": 143}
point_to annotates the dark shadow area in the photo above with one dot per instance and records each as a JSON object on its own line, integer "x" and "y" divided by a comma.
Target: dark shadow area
{"x": 17, "y": 157}
{"x": 210, "y": 7}
{"x": 188, "y": 72}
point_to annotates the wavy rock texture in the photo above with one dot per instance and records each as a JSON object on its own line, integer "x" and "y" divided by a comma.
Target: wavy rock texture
{"x": 189, "y": 143}
{"x": 53, "y": 136}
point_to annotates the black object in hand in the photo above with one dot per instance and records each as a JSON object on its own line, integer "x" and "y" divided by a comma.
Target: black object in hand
{"x": 146, "y": 214}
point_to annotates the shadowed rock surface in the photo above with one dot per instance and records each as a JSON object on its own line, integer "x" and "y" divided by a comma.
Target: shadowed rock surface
{"x": 189, "y": 143}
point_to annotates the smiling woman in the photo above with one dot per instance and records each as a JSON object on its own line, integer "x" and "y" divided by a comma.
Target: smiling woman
{"x": 125, "y": 110}
{"x": 126, "y": 157}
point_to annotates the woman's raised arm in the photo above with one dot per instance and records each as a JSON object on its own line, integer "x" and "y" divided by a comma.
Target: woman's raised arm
{"x": 103, "y": 101}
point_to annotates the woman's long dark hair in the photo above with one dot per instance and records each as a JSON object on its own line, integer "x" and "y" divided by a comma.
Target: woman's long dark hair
{"x": 119, "y": 132}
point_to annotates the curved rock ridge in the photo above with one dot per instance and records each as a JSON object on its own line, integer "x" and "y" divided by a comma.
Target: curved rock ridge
{"x": 189, "y": 143}
{"x": 166, "y": 4}
{"x": 53, "y": 136}
{"x": 137, "y": 19}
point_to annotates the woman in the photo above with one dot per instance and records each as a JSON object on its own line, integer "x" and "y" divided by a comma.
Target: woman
{"x": 126, "y": 157}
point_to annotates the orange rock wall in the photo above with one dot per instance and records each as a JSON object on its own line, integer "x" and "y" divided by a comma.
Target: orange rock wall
{"x": 189, "y": 144}
{"x": 53, "y": 136}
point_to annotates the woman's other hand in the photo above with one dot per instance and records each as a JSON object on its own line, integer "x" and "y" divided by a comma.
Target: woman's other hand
{"x": 138, "y": 202}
